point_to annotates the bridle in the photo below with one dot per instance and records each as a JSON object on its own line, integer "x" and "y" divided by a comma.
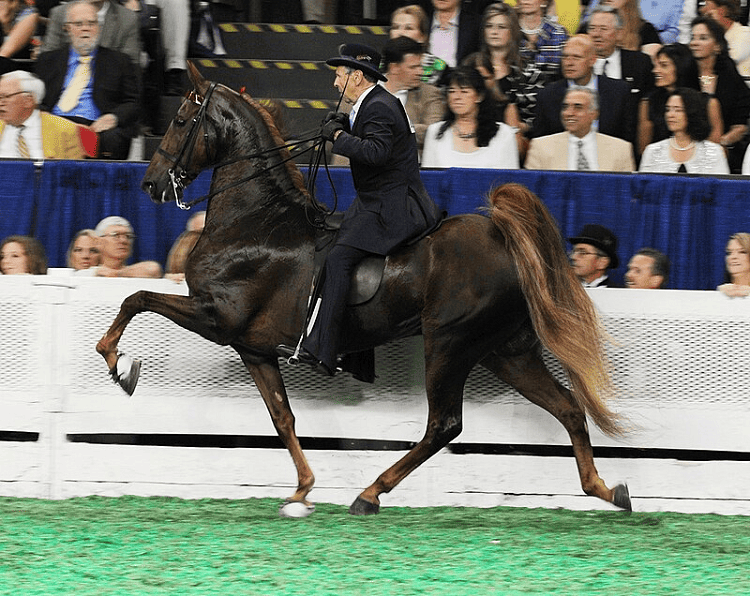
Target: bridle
{"x": 179, "y": 174}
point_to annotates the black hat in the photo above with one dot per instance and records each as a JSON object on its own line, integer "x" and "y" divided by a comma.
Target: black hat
{"x": 600, "y": 237}
{"x": 359, "y": 57}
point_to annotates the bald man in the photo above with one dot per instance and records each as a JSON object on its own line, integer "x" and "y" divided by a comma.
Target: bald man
{"x": 617, "y": 115}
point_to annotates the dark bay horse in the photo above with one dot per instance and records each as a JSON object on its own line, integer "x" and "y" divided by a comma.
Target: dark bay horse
{"x": 480, "y": 290}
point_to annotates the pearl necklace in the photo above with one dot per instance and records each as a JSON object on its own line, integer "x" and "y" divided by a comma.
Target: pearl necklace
{"x": 531, "y": 32}
{"x": 706, "y": 80}
{"x": 674, "y": 145}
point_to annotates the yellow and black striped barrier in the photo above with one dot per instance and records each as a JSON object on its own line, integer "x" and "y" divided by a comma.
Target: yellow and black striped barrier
{"x": 297, "y": 104}
{"x": 263, "y": 64}
{"x": 230, "y": 28}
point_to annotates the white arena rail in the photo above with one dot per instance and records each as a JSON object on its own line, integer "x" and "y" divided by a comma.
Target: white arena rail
{"x": 196, "y": 426}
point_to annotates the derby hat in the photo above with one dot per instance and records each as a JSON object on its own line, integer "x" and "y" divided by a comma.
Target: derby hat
{"x": 359, "y": 57}
{"x": 601, "y": 238}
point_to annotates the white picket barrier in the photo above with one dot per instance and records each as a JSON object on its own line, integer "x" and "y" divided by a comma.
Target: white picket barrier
{"x": 196, "y": 426}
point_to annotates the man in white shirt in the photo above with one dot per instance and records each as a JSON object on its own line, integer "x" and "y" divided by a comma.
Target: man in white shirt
{"x": 580, "y": 147}
{"x": 27, "y": 133}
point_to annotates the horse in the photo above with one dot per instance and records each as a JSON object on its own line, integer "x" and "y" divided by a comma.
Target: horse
{"x": 489, "y": 289}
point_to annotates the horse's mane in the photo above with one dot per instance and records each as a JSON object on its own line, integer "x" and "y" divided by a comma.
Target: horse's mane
{"x": 297, "y": 179}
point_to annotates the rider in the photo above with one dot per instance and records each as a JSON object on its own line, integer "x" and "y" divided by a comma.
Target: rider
{"x": 392, "y": 205}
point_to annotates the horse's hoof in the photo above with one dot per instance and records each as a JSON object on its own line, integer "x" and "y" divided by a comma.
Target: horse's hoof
{"x": 296, "y": 509}
{"x": 621, "y": 497}
{"x": 126, "y": 373}
{"x": 362, "y": 507}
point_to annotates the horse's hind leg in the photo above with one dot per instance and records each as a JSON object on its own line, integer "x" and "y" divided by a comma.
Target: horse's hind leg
{"x": 529, "y": 376}
{"x": 268, "y": 379}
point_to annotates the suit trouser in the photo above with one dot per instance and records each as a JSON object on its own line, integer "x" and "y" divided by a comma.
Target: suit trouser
{"x": 323, "y": 339}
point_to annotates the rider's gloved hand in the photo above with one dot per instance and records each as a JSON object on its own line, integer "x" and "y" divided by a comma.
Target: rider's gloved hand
{"x": 338, "y": 116}
{"x": 330, "y": 129}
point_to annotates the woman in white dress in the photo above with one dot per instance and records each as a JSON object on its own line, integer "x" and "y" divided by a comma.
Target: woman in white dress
{"x": 687, "y": 150}
{"x": 470, "y": 137}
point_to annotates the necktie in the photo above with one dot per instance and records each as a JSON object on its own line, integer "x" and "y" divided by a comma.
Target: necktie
{"x": 583, "y": 163}
{"x": 81, "y": 76}
{"x": 352, "y": 116}
{"x": 21, "y": 146}
{"x": 604, "y": 68}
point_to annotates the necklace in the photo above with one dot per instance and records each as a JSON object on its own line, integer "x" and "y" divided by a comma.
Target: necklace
{"x": 468, "y": 135}
{"x": 674, "y": 145}
{"x": 531, "y": 32}
{"x": 706, "y": 80}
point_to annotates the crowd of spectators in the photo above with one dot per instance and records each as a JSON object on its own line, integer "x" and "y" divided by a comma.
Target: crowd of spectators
{"x": 612, "y": 85}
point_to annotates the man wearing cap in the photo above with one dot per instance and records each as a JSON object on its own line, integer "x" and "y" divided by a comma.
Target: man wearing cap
{"x": 594, "y": 252}
{"x": 115, "y": 241}
{"x": 392, "y": 206}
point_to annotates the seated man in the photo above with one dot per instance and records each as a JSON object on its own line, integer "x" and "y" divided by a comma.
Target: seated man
{"x": 580, "y": 147}
{"x": 594, "y": 252}
{"x": 617, "y": 114}
{"x": 27, "y": 133}
{"x": 648, "y": 269}
{"x": 90, "y": 84}
{"x": 115, "y": 240}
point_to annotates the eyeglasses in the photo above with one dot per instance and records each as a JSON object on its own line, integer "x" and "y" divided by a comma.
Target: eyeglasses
{"x": 582, "y": 252}
{"x": 7, "y": 97}
{"x": 118, "y": 235}
{"x": 80, "y": 24}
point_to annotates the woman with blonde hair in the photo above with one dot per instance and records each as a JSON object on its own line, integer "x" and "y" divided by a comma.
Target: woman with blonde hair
{"x": 412, "y": 21}
{"x": 737, "y": 263}
{"x": 83, "y": 252}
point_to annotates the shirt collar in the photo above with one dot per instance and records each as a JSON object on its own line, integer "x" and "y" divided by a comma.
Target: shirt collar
{"x": 453, "y": 20}
{"x": 595, "y": 283}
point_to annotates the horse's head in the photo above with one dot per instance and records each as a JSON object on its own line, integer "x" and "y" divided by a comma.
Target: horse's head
{"x": 188, "y": 146}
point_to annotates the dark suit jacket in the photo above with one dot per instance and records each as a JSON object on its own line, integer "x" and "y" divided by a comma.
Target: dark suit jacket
{"x": 392, "y": 205}
{"x": 616, "y": 109}
{"x": 115, "y": 91}
{"x": 636, "y": 72}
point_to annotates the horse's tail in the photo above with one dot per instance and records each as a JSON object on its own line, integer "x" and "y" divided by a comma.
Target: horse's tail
{"x": 563, "y": 315}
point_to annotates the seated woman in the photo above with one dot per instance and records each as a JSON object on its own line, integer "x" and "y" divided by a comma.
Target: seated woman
{"x": 499, "y": 62}
{"x": 687, "y": 149}
{"x": 719, "y": 77}
{"x": 178, "y": 254}
{"x": 543, "y": 40}
{"x": 470, "y": 136}
{"x": 19, "y": 21}
{"x": 83, "y": 252}
{"x": 22, "y": 255}
{"x": 411, "y": 21}
{"x": 674, "y": 66}
{"x": 737, "y": 261}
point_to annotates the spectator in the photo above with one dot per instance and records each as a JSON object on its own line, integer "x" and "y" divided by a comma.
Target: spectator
{"x": 543, "y": 40}
{"x": 178, "y": 254}
{"x": 631, "y": 66}
{"x": 119, "y": 29}
{"x": 424, "y": 103}
{"x": 617, "y": 111}
{"x": 674, "y": 66}
{"x": 737, "y": 262}
{"x": 687, "y": 150}
{"x": 580, "y": 147}
{"x": 83, "y": 252}
{"x": 727, "y": 13}
{"x": 469, "y": 137}
{"x": 594, "y": 253}
{"x": 637, "y": 34}
{"x": 454, "y": 32}
{"x": 104, "y": 96}
{"x": 21, "y": 255}
{"x": 506, "y": 74}
{"x": 19, "y": 21}
{"x": 175, "y": 35}
{"x": 115, "y": 240}
{"x": 719, "y": 77}
{"x": 648, "y": 269}
{"x": 27, "y": 133}
{"x": 411, "y": 21}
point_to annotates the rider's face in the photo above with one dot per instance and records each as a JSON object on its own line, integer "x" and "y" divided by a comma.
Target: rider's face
{"x": 344, "y": 83}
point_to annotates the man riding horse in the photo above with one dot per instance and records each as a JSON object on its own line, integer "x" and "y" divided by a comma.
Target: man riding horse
{"x": 392, "y": 206}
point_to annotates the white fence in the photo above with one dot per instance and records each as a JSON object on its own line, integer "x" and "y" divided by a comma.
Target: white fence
{"x": 196, "y": 426}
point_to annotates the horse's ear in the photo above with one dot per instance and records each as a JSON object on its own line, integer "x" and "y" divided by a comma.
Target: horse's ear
{"x": 199, "y": 83}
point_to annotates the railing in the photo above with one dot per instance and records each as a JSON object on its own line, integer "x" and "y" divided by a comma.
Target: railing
{"x": 196, "y": 426}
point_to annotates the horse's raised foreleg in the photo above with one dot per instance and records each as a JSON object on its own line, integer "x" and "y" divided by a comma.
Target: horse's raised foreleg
{"x": 271, "y": 386}
{"x": 529, "y": 376}
{"x": 445, "y": 385}
{"x": 188, "y": 312}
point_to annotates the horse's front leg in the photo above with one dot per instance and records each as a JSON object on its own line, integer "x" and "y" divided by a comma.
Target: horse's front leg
{"x": 268, "y": 379}
{"x": 186, "y": 311}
